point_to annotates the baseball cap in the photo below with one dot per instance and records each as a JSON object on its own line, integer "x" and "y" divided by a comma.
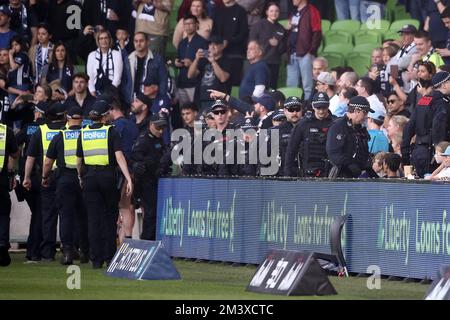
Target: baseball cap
{"x": 446, "y": 152}
{"x": 5, "y": 10}
{"x": 376, "y": 115}
{"x": 327, "y": 78}
{"x": 408, "y": 28}
{"x": 439, "y": 78}
{"x": 266, "y": 100}
{"x": 75, "y": 112}
{"x": 361, "y": 103}
{"x": 320, "y": 100}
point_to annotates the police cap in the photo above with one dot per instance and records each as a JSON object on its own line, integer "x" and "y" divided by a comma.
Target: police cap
{"x": 279, "y": 115}
{"x": 100, "y": 108}
{"x": 293, "y": 102}
{"x": 439, "y": 78}
{"x": 159, "y": 120}
{"x": 55, "y": 109}
{"x": 360, "y": 102}
{"x": 320, "y": 100}
{"x": 75, "y": 112}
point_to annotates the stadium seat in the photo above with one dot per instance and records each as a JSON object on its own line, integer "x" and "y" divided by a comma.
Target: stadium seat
{"x": 366, "y": 47}
{"x": 171, "y": 51}
{"x": 320, "y": 50}
{"x": 80, "y": 68}
{"x": 383, "y": 27}
{"x": 343, "y": 48}
{"x": 338, "y": 37}
{"x": 284, "y": 22}
{"x": 391, "y": 35}
{"x": 360, "y": 62}
{"x": 291, "y": 92}
{"x": 235, "y": 91}
{"x": 398, "y": 24}
{"x": 326, "y": 24}
{"x": 334, "y": 59}
{"x": 400, "y": 13}
{"x": 367, "y": 36}
{"x": 350, "y": 26}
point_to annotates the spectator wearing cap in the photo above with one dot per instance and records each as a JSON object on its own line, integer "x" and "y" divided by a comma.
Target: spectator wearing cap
{"x": 256, "y": 78}
{"x": 378, "y": 140}
{"x": 147, "y": 159}
{"x": 36, "y": 152}
{"x": 230, "y": 23}
{"x": 198, "y": 10}
{"x": 320, "y": 64}
{"x": 305, "y": 35}
{"x": 434, "y": 25}
{"x": 98, "y": 150}
{"x": 347, "y": 141}
{"x": 306, "y": 155}
{"x": 213, "y": 69}
{"x": 140, "y": 110}
{"x": 82, "y": 96}
{"x": 143, "y": 65}
{"x": 441, "y": 119}
{"x": 6, "y": 33}
{"x": 152, "y": 18}
{"x": 292, "y": 112}
{"x": 408, "y": 48}
{"x": 272, "y": 36}
{"x": 186, "y": 53}
{"x": 69, "y": 198}
{"x": 445, "y": 52}
{"x": 326, "y": 84}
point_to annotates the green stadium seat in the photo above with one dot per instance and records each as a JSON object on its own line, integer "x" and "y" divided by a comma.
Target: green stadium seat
{"x": 171, "y": 51}
{"x": 291, "y": 92}
{"x": 350, "y": 26}
{"x": 391, "y": 35}
{"x": 343, "y": 48}
{"x": 400, "y": 13}
{"x": 80, "y": 68}
{"x": 383, "y": 27}
{"x": 366, "y": 47}
{"x": 338, "y": 37}
{"x": 360, "y": 62}
{"x": 398, "y": 24}
{"x": 367, "y": 36}
{"x": 334, "y": 59}
{"x": 235, "y": 91}
{"x": 326, "y": 24}
{"x": 320, "y": 50}
{"x": 284, "y": 22}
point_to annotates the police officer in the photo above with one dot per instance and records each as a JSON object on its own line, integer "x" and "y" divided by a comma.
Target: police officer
{"x": 33, "y": 196}
{"x": 347, "y": 141}
{"x": 441, "y": 103}
{"x": 247, "y": 150}
{"x": 62, "y": 149}
{"x": 35, "y": 156}
{"x": 8, "y": 151}
{"x": 306, "y": 155}
{"x": 98, "y": 149}
{"x": 146, "y": 157}
{"x": 293, "y": 110}
{"x": 428, "y": 125}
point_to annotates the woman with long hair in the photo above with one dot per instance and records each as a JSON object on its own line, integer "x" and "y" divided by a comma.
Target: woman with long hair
{"x": 60, "y": 70}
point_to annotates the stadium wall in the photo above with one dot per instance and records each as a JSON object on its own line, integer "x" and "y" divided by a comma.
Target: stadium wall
{"x": 402, "y": 227}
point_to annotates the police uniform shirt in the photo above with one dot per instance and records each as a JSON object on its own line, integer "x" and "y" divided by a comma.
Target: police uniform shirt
{"x": 35, "y": 147}
{"x": 56, "y": 148}
{"x": 148, "y": 149}
{"x": 10, "y": 148}
{"x": 114, "y": 143}
{"x": 23, "y": 137}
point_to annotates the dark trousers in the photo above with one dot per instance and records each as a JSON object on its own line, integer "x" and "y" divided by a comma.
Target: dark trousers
{"x": 5, "y": 211}
{"x": 34, "y": 200}
{"x": 72, "y": 214}
{"x": 101, "y": 198}
{"x": 236, "y": 71}
{"x": 49, "y": 219}
{"x": 149, "y": 197}
{"x": 274, "y": 70}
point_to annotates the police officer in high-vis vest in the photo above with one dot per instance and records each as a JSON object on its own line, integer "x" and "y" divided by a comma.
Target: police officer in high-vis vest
{"x": 62, "y": 149}
{"x": 8, "y": 150}
{"x": 35, "y": 156}
{"x": 98, "y": 153}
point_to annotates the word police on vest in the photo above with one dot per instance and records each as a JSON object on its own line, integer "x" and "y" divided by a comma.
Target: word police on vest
{"x": 94, "y": 134}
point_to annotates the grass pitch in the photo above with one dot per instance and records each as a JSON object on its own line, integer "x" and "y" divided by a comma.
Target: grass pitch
{"x": 200, "y": 281}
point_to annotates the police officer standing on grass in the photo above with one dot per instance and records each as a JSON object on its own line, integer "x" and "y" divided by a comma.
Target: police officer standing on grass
{"x": 62, "y": 149}
{"x": 35, "y": 155}
{"x": 32, "y": 196}
{"x": 147, "y": 156}
{"x": 293, "y": 110}
{"x": 98, "y": 151}
{"x": 306, "y": 154}
{"x": 8, "y": 152}
{"x": 347, "y": 141}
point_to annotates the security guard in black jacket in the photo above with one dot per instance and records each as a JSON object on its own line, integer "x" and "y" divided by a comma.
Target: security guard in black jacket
{"x": 35, "y": 155}
{"x": 62, "y": 149}
{"x": 32, "y": 196}
{"x": 306, "y": 155}
{"x": 347, "y": 141}
{"x": 146, "y": 157}
{"x": 98, "y": 153}
{"x": 293, "y": 110}
{"x": 8, "y": 152}
{"x": 428, "y": 125}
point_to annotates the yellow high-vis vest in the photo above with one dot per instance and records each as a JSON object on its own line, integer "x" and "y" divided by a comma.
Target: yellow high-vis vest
{"x": 3, "y": 130}
{"x": 95, "y": 146}
{"x": 70, "y": 138}
{"x": 47, "y": 135}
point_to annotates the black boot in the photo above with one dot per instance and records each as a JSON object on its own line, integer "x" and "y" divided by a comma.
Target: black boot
{"x": 67, "y": 258}
{"x": 5, "y": 259}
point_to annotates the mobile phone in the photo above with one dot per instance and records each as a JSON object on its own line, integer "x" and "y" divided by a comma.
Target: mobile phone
{"x": 27, "y": 97}
{"x": 394, "y": 71}
{"x": 206, "y": 53}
